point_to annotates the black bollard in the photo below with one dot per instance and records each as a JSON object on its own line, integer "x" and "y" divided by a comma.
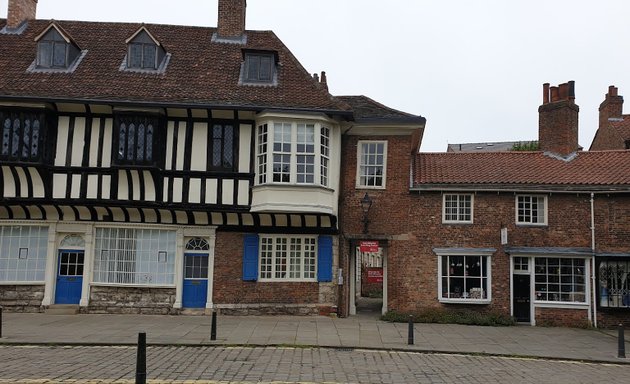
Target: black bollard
{"x": 0, "y": 321}
{"x": 410, "y": 333}
{"x": 141, "y": 360}
{"x": 213, "y": 327}
{"x": 622, "y": 343}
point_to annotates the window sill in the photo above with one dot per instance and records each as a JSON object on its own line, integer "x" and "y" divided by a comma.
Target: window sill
{"x": 292, "y": 185}
{"x": 97, "y": 284}
{"x": 465, "y": 301}
{"x": 457, "y": 222}
{"x": 287, "y": 281}
{"x": 535, "y": 225}
{"x": 561, "y": 304}
{"x": 369, "y": 187}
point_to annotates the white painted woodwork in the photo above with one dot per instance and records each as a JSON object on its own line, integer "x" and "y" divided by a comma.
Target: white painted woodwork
{"x": 201, "y": 218}
{"x": 222, "y": 114}
{"x": 92, "y": 187}
{"x": 94, "y": 149}
{"x": 107, "y": 143}
{"x": 149, "y": 187}
{"x": 165, "y": 184}
{"x": 243, "y": 192}
{"x": 228, "y": 192}
{"x": 244, "y": 148}
{"x": 211, "y": 191}
{"x": 106, "y": 187}
{"x": 78, "y": 142}
{"x": 178, "y": 188}
{"x": 217, "y": 218}
{"x": 170, "y": 128}
{"x": 62, "y": 139}
{"x": 181, "y": 146}
{"x": 166, "y": 216}
{"x": 232, "y": 218}
{"x": 199, "y": 155}
{"x": 274, "y": 198}
{"x": 135, "y": 185}
{"x": 8, "y": 182}
{"x": 194, "y": 194}
{"x": 22, "y": 180}
{"x": 123, "y": 190}
{"x": 59, "y": 186}
{"x": 38, "y": 183}
{"x": 76, "y": 187}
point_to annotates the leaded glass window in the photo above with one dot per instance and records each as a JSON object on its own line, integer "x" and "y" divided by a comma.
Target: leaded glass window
{"x": 21, "y": 136}
{"x": 136, "y": 139}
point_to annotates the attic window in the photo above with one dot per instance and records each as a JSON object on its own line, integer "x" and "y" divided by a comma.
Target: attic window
{"x": 259, "y": 67}
{"x": 144, "y": 52}
{"x": 54, "y": 50}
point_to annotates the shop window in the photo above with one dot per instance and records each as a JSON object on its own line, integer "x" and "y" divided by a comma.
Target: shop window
{"x": 464, "y": 278}
{"x": 614, "y": 284}
{"x": 560, "y": 279}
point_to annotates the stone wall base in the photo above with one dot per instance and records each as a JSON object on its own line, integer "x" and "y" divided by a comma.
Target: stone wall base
{"x": 131, "y": 300}
{"x": 21, "y": 298}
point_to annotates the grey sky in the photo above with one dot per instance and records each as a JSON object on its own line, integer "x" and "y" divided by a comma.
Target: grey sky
{"x": 474, "y": 69}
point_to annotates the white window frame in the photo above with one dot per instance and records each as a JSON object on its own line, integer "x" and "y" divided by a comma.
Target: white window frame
{"x": 482, "y": 253}
{"x": 552, "y": 303}
{"x": 460, "y": 208}
{"x": 122, "y": 260}
{"x": 23, "y": 255}
{"x": 538, "y": 198}
{"x": 321, "y": 153}
{"x": 359, "y": 184}
{"x": 273, "y": 241}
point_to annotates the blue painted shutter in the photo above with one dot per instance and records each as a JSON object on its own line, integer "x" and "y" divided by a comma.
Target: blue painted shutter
{"x": 324, "y": 258}
{"x": 250, "y": 258}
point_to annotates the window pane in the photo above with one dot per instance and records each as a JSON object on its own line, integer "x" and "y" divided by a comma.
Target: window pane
{"x": 135, "y": 56}
{"x": 150, "y": 52}
{"x": 44, "y": 54}
{"x": 59, "y": 57}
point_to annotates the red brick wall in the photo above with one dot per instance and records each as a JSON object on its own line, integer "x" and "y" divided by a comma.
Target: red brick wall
{"x": 229, "y": 287}
{"x": 562, "y": 317}
{"x": 607, "y": 138}
{"x": 231, "y": 21}
{"x": 612, "y": 318}
{"x": 20, "y": 10}
{"x": 558, "y": 127}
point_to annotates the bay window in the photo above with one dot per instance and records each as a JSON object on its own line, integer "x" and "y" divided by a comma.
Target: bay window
{"x": 292, "y": 153}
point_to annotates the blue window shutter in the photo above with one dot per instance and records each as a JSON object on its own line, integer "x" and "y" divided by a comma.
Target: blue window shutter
{"x": 324, "y": 258}
{"x": 250, "y": 258}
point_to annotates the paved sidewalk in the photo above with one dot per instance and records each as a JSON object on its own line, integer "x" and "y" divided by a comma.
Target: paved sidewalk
{"x": 319, "y": 331}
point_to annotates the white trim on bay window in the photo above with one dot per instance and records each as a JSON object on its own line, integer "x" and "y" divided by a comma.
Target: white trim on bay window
{"x": 293, "y": 152}
{"x": 464, "y": 275}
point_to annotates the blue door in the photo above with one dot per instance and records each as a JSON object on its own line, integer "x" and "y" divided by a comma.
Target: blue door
{"x": 195, "y": 280}
{"x": 69, "y": 277}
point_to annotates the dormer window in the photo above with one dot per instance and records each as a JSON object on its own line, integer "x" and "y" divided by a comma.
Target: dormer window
{"x": 55, "y": 50}
{"x": 259, "y": 67}
{"x": 144, "y": 52}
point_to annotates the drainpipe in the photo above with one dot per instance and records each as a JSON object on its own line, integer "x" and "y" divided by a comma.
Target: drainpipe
{"x": 593, "y": 289}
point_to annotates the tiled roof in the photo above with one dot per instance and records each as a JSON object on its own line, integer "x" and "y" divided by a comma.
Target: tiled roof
{"x": 496, "y": 146}
{"x": 199, "y": 71}
{"x": 366, "y": 109}
{"x": 506, "y": 170}
{"x": 622, "y": 126}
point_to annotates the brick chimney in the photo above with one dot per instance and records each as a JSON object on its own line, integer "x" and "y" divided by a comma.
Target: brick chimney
{"x": 231, "y": 23}
{"x": 19, "y": 11}
{"x": 611, "y": 107}
{"x": 558, "y": 120}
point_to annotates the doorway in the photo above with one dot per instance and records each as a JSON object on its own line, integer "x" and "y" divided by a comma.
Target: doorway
{"x": 521, "y": 297}
{"x": 69, "y": 277}
{"x": 368, "y": 279}
{"x": 195, "y": 285}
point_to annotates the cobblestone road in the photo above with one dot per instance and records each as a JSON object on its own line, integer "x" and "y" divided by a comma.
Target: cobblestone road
{"x": 44, "y": 364}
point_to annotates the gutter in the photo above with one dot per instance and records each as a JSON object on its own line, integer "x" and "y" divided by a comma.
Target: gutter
{"x": 593, "y": 290}
{"x": 510, "y": 188}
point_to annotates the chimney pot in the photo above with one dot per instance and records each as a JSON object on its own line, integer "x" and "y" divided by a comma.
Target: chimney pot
{"x": 555, "y": 94}
{"x": 316, "y": 77}
{"x": 546, "y": 93}
{"x": 19, "y": 11}
{"x": 612, "y": 90}
{"x": 324, "y": 80}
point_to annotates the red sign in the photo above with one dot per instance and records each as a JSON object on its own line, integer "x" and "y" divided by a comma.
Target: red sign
{"x": 374, "y": 275}
{"x": 368, "y": 246}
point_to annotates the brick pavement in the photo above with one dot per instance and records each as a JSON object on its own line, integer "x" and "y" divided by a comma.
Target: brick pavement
{"x": 219, "y": 364}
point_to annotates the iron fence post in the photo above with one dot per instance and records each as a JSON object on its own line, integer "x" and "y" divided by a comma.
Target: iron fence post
{"x": 410, "y": 332}
{"x": 621, "y": 353}
{"x": 141, "y": 359}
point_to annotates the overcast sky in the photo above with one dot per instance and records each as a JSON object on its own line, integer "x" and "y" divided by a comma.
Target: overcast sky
{"x": 473, "y": 68}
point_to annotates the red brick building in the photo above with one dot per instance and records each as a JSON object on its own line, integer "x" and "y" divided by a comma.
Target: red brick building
{"x": 538, "y": 235}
